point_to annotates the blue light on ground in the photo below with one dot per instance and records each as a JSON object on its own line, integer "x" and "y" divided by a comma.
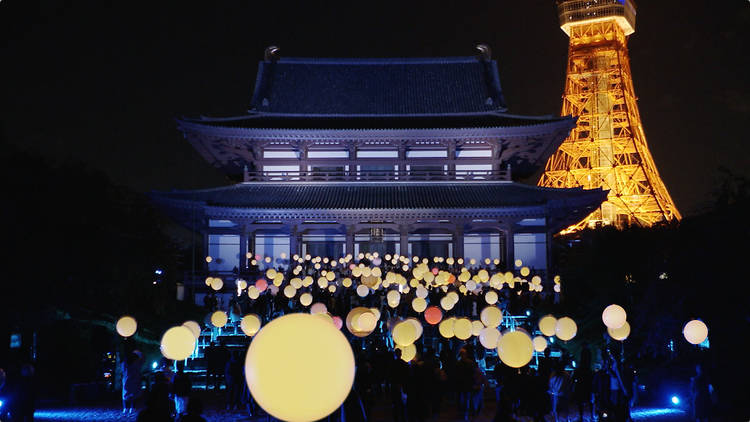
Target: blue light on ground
{"x": 675, "y": 400}
{"x": 1, "y": 403}
{"x": 646, "y": 413}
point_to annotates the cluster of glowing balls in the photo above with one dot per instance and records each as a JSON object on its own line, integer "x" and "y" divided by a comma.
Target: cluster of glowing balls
{"x": 317, "y": 384}
{"x": 126, "y": 326}
{"x": 695, "y": 331}
{"x": 250, "y": 324}
{"x": 178, "y": 343}
{"x": 614, "y": 316}
{"x": 515, "y": 348}
{"x": 217, "y": 283}
{"x": 194, "y": 328}
{"x": 219, "y": 319}
{"x": 361, "y": 321}
{"x": 566, "y": 328}
{"x": 621, "y": 333}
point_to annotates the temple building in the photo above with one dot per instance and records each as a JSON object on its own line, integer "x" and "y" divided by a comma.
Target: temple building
{"x": 410, "y": 156}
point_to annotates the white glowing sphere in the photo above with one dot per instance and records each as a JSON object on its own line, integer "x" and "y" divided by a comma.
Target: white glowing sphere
{"x": 614, "y": 316}
{"x": 488, "y": 337}
{"x": 362, "y": 290}
{"x": 566, "y": 328}
{"x": 318, "y": 308}
{"x": 177, "y": 343}
{"x": 290, "y": 291}
{"x": 126, "y": 326}
{"x": 305, "y": 299}
{"x": 217, "y": 283}
{"x": 540, "y": 343}
{"x": 491, "y": 297}
{"x": 317, "y": 384}
{"x": 491, "y": 316}
{"x": 695, "y": 331}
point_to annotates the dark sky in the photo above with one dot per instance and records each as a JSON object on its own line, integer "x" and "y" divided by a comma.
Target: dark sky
{"x": 101, "y": 82}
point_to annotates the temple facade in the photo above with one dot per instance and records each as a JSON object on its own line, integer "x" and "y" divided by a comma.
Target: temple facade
{"x": 415, "y": 157}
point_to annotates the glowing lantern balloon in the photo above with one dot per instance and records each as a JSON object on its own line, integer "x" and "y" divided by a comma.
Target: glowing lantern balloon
{"x": 488, "y": 337}
{"x": 177, "y": 343}
{"x": 319, "y": 383}
{"x": 433, "y": 315}
{"x": 446, "y": 327}
{"x": 126, "y": 326}
{"x": 515, "y": 348}
{"x": 621, "y": 333}
{"x": 462, "y": 328}
{"x": 217, "y": 283}
{"x": 318, "y": 308}
{"x": 347, "y": 282}
{"x": 419, "y": 304}
{"x": 566, "y": 328}
{"x": 453, "y": 296}
{"x": 446, "y": 303}
{"x": 421, "y": 292}
{"x": 476, "y": 328}
{"x": 250, "y": 324}
{"x": 290, "y": 291}
{"x": 614, "y": 316}
{"x": 540, "y": 343}
{"x": 417, "y": 326}
{"x": 376, "y": 312}
{"x": 261, "y": 284}
{"x": 408, "y": 352}
{"x": 338, "y": 322}
{"x": 491, "y": 297}
{"x": 525, "y": 271}
{"x": 695, "y": 331}
{"x": 393, "y": 296}
{"x": 404, "y": 333}
{"x": 556, "y": 288}
{"x": 305, "y": 299}
{"x": 547, "y": 325}
{"x": 194, "y": 328}
{"x": 271, "y": 273}
{"x": 219, "y": 319}
{"x": 325, "y": 316}
{"x": 362, "y": 290}
{"x": 253, "y": 292}
{"x": 491, "y": 316}
{"x": 241, "y": 284}
{"x": 358, "y": 325}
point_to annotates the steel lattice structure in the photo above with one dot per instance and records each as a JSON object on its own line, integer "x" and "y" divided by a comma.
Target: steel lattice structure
{"x": 608, "y": 148}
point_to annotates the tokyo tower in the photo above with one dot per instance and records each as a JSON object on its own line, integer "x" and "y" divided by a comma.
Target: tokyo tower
{"x": 608, "y": 147}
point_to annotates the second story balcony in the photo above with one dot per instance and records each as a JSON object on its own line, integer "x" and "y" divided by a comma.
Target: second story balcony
{"x": 424, "y": 173}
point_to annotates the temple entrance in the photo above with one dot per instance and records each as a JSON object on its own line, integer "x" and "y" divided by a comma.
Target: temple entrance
{"x": 324, "y": 243}
{"x": 382, "y": 241}
{"x": 429, "y": 243}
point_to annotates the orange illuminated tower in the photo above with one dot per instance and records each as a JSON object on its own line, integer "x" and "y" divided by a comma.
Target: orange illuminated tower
{"x": 607, "y": 149}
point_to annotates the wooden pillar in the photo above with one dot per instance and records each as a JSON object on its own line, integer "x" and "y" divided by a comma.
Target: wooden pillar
{"x": 243, "y": 248}
{"x": 294, "y": 241}
{"x": 458, "y": 241}
{"x": 403, "y": 232}
{"x": 349, "y": 240}
{"x": 510, "y": 247}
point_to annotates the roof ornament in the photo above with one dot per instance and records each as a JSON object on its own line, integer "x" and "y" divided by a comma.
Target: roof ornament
{"x": 484, "y": 52}
{"x": 271, "y": 53}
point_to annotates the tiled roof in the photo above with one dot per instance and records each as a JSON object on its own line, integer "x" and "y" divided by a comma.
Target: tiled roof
{"x": 395, "y": 195}
{"x": 377, "y": 86}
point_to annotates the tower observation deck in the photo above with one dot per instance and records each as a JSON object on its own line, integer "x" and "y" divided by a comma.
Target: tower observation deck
{"x": 608, "y": 148}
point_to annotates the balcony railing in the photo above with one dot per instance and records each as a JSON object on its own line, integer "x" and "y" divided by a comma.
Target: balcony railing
{"x": 376, "y": 175}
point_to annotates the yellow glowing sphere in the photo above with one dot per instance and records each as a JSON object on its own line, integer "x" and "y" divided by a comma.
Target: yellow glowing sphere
{"x": 290, "y": 291}
{"x": 327, "y": 317}
{"x": 126, "y": 326}
{"x": 209, "y": 259}
{"x": 446, "y": 327}
{"x": 621, "y": 333}
{"x": 208, "y": 281}
{"x": 525, "y": 271}
{"x": 489, "y": 337}
{"x": 491, "y": 316}
{"x": 408, "y": 352}
{"x": 367, "y": 321}
{"x": 330, "y": 276}
{"x": 491, "y": 297}
{"x": 305, "y": 299}
{"x": 347, "y": 282}
{"x": 452, "y": 296}
{"x": 253, "y": 292}
{"x": 217, "y": 283}
{"x": 177, "y": 343}
{"x": 322, "y": 282}
{"x": 356, "y": 324}
{"x": 332, "y": 288}
{"x": 462, "y": 328}
{"x": 518, "y": 262}
{"x": 476, "y": 328}
{"x": 270, "y": 273}
{"x": 566, "y": 328}
{"x": 362, "y": 290}
{"x": 318, "y": 384}
{"x": 540, "y": 343}
{"x": 194, "y": 328}
{"x": 219, "y": 319}
{"x": 695, "y": 331}
{"x": 376, "y": 312}
{"x": 277, "y": 281}
{"x": 614, "y": 316}
{"x": 515, "y": 348}
{"x": 419, "y": 304}
{"x": 307, "y": 281}
{"x": 446, "y": 303}
{"x": 318, "y": 308}
{"x": 404, "y": 333}
{"x": 417, "y": 325}
{"x": 483, "y": 275}
{"x": 250, "y": 324}
{"x": 393, "y": 296}
{"x": 547, "y": 325}
{"x": 267, "y": 259}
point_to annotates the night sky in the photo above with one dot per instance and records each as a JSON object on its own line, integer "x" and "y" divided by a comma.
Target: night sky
{"x": 101, "y": 82}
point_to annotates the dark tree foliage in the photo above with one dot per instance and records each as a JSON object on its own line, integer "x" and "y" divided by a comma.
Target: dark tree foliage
{"x": 664, "y": 277}
{"x": 81, "y": 252}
